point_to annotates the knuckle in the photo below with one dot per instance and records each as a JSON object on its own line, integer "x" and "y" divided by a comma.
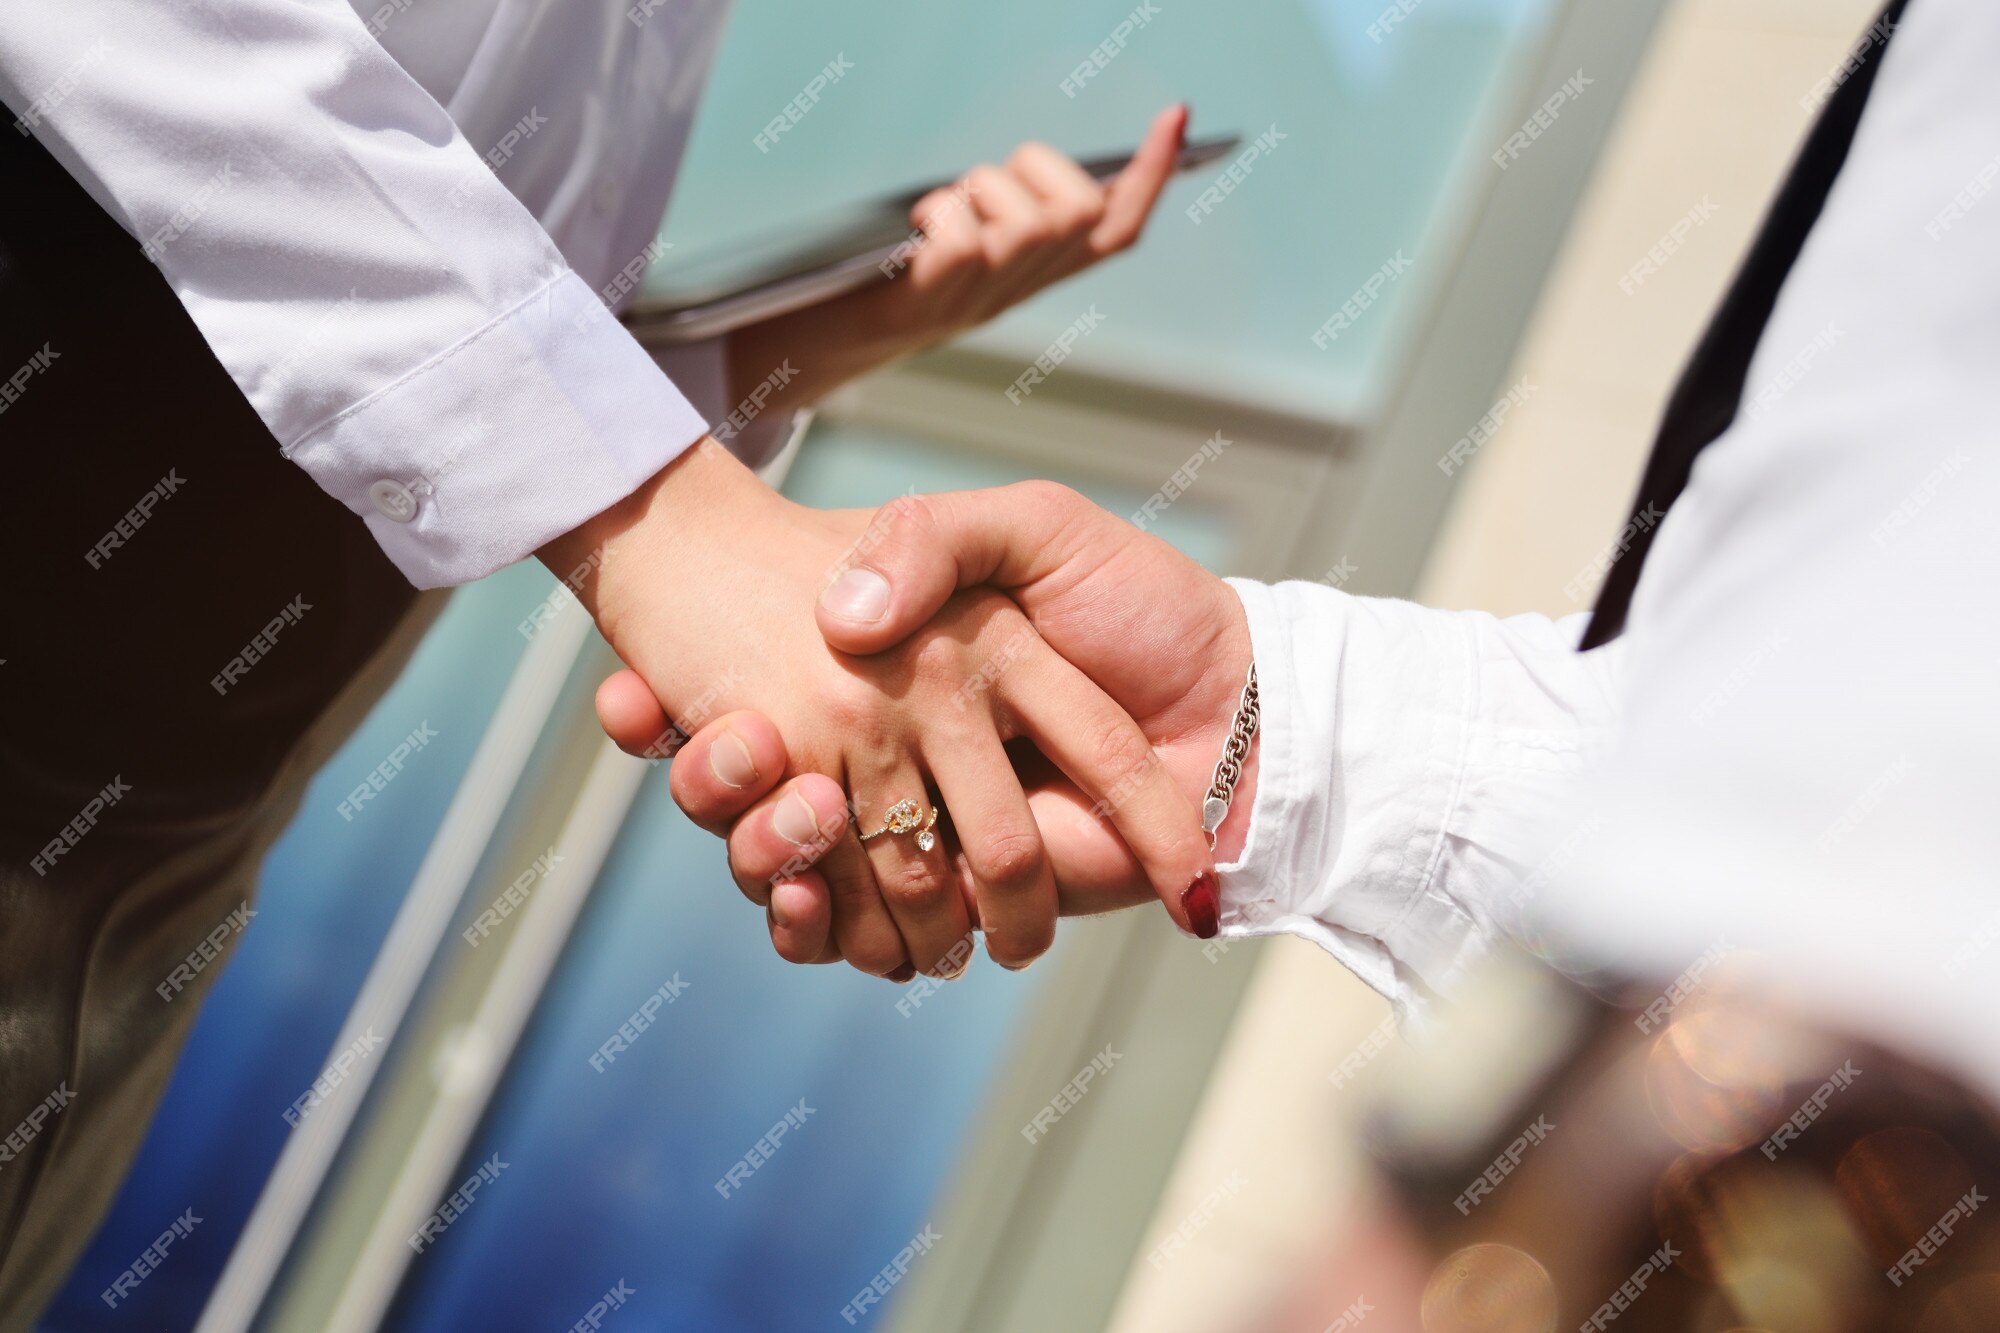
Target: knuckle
{"x": 853, "y": 707}
{"x": 1120, "y": 752}
{"x": 848, "y": 709}
{"x": 1050, "y": 496}
{"x": 1011, "y": 858}
{"x": 937, "y": 659}
{"x": 907, "y": 518}
{"x": 868, "y": 940}
{"x": 914, "y": 887}
{"x": 929, "y": 204}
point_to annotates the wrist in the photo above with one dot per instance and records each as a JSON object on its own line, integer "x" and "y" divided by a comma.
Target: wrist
{"x": 838, "y": 340}
{"x": 654, "y": 548}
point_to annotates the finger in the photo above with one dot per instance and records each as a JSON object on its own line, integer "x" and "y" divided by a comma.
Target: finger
{"x": 1002, "y": 848}
{"x": 785, "y": 834}
{"x": 726, "y": 768}
{"x": 815, "y": 829}
{"x": 863, "y": 930}
{"x": 920, "y": 549}
{"x": 1068, "y": 193}
{"x": 1102, "y": 750}
{"x": 951, "y": 232}
{"x": 917, "y": 882}
{"x": 1015, "y": 224}
{"x": 1137, "y": 188}
{"x": 1071, "y": 205}
{"x": 941, "y": 206}
{"x": 800, "y": 916}
{"x": 1094, "y": 870}
{"x": 630, "y": 715}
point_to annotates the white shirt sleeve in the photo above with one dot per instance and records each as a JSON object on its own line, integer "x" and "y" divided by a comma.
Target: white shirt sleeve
{"x": 405, "y": 328}
{"x": 1805, "y": 769}
{"x": 1411, "y": 764}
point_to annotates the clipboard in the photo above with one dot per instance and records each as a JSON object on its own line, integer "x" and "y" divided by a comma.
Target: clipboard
{"x": 716, "y": 288}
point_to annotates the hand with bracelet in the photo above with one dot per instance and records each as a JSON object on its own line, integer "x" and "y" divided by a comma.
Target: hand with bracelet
{"x": 1166, "y": 640}
{"x": 833, "y": 829}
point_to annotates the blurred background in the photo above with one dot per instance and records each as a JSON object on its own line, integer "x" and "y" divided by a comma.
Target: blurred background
{"x": 1216, "y": 1156}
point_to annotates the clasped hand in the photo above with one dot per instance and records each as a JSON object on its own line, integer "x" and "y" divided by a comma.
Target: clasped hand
{"x": 1057, "y": 682}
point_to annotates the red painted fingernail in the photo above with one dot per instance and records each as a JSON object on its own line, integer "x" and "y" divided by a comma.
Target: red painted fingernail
{"x": 902, "y": 974}
{"x": 1199, "y": 900}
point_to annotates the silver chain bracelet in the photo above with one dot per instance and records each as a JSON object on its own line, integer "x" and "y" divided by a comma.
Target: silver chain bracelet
{"x": 1229, "y": 768}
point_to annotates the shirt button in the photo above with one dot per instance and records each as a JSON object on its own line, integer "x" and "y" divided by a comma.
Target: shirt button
{"x": 606, "y": 194}
{"x": 393, "y": 500}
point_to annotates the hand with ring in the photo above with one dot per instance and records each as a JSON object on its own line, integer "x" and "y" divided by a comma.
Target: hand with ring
{"x": 1166, "y": 640}
{"x": 917, "y": 734}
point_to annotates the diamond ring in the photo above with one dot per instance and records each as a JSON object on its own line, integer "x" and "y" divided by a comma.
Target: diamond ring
{"x": 906, "y": 817}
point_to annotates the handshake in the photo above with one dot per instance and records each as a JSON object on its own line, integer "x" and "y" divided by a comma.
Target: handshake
{"x": 970, "y": 711}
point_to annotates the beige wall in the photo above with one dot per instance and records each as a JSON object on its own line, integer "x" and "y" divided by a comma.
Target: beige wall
{"x": 1272, "y": 1164}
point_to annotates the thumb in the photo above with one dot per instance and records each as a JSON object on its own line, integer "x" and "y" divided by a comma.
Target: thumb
{"x": 1129, "y": 200}
{"x": 920, "y": 549}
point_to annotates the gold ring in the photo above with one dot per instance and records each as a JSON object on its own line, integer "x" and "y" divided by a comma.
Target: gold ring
{"x": 906, "y": 817}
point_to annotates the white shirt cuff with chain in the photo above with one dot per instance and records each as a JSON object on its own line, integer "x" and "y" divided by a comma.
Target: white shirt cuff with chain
{"x": 1411, "y": 761}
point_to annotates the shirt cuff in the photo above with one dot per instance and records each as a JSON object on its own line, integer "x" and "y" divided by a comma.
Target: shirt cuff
{"x": 543, "y": 418}
{"x": 1365, "y": 706}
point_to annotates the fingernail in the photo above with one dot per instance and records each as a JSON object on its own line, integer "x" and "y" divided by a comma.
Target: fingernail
{"x": 859, "y": 594}
{"x": 1203, "y": 908}
{"x": 779, "y": 916}
{"x": 729, "y": 759}
{"x": 902, "y": 974}
{"x": 796, "y": 821}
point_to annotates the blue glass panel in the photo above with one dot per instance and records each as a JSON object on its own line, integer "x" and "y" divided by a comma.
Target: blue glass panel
{"x": 612, "y": 1173}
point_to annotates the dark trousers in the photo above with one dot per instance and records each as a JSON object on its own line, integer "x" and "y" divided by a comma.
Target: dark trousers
{"x": 149, "y": 532}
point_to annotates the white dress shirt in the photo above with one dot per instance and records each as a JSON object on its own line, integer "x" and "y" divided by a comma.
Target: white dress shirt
{"x": 329, "y": 213}
{"x": 1792, "y": 750}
